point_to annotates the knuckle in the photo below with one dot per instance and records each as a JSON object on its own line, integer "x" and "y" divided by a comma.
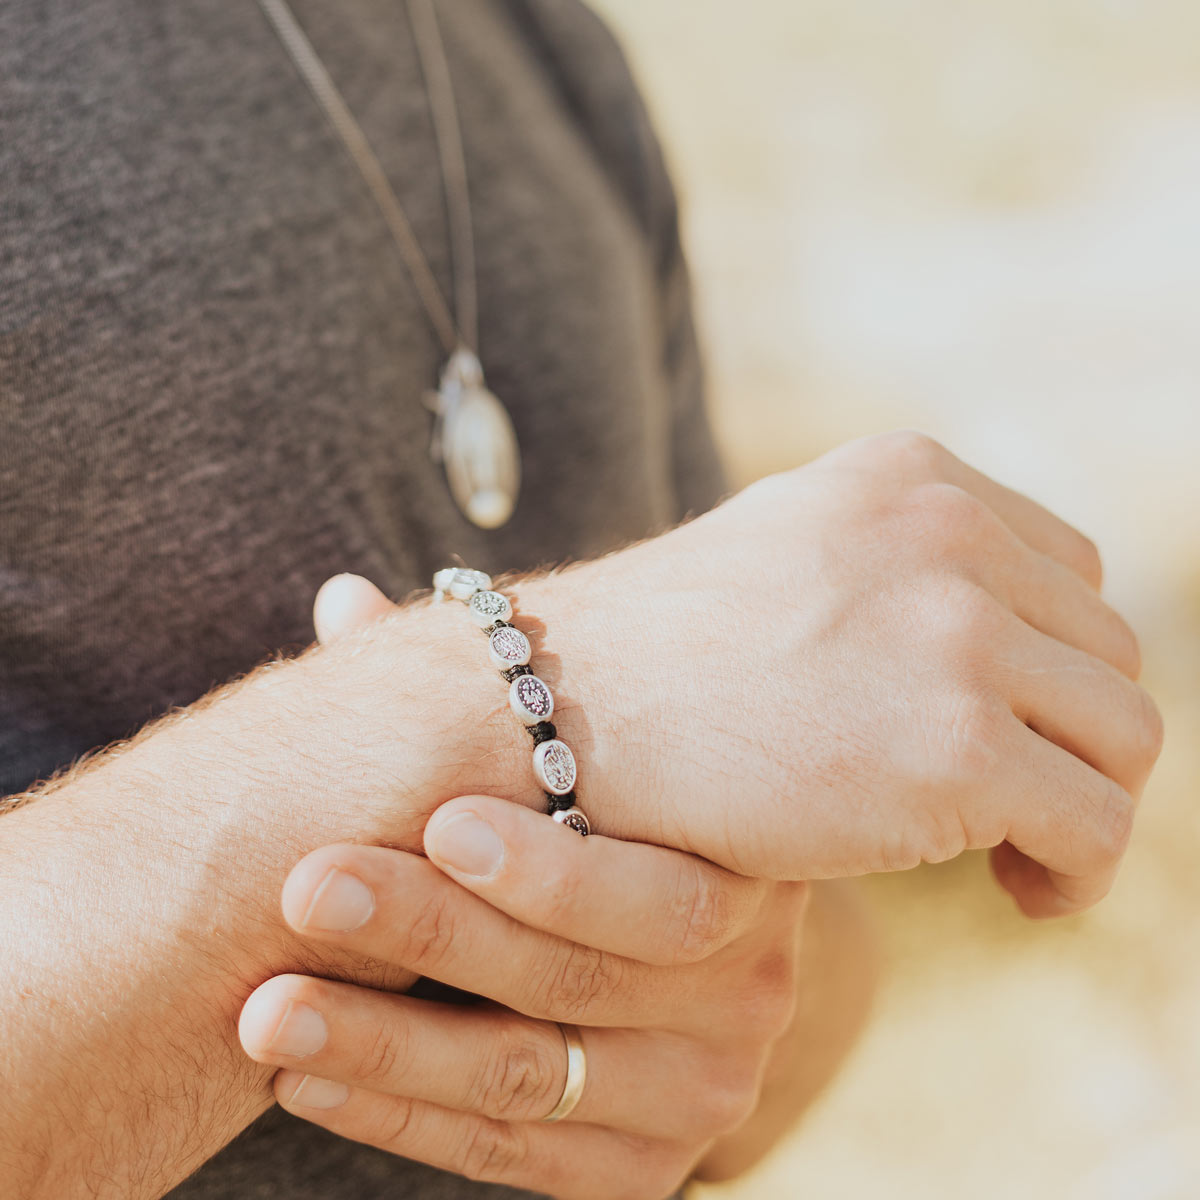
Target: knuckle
{"x": 517, "y": 1081}
{"x": 970, "y": 736}
{"x": 431, "y": 933}
{"x": 728, "y": 1098}
{"x": 774, "y": 980}
{"x": 391, "y": 1127}
{"x": 965, "y": 745}
{"x": 491, "y": 1151}
{"x": 913, "y": 452}
{"x": 964, "y": 739}
{"x": 971, "y": 623}
{"x": 702, "y": 915}
{"x": 903, "y": 849}
{"x": 763, "y": 998}
{"x": 951, "y": 517}
{"x": 385, "y": 1049}
{"x": 582, "y": 977}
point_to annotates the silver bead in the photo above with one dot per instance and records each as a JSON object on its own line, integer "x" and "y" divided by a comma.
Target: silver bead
{"x": 554, "y": 766}
{"x": 574, "y": 818}
{"x": 461, "y": 582}
{"x": 467, "y": 582}
{"x": 530, "y": 699}
{"x": 508, "y": 647}
{"x": 486, "y": 608}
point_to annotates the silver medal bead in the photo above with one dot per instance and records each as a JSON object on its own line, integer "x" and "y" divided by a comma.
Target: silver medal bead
{"x": 530, "y": 699}
{"x": 461, "y": 582}
{"x": 508, "y": 647}
{"x": 574, "y": 818}
{"x": 554, "y": 766}
{"x": 475, "y": 441}
{"x": 486, "y": 608}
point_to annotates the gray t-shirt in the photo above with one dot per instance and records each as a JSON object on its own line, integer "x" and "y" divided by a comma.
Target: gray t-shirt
{"x": 212, "y": 362}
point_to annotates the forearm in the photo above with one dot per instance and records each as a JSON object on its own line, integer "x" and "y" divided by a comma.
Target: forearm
{"x": 838, "y": 970}
{"x": 141, "y": 898}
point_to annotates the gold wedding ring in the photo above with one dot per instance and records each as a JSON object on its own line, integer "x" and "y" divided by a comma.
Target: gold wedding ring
{"x": 576, "y": 1074}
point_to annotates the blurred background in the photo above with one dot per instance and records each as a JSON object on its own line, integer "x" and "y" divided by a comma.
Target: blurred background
{"x": 980, "y": 218}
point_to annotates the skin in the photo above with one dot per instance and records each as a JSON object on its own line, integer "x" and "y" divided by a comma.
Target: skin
{"x": 681, "y": 1017}
{"x": 709, "y": 1027}
{"x": 883, "y": 656}
{"x": 142, "y": 889}
{"x": 887, "y": 657}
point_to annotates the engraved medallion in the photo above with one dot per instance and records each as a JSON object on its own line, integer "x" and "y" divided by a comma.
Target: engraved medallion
{"x": 530, "y": 699}
{"x": 486, "y": 608}
{"x": 508, "y": 647}
{"x": 573, "y": 818}
{"x": 554, "y": 766}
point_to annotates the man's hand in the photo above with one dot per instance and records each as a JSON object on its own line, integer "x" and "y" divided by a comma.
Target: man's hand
{"x": 683, "y": 974}
{"x": 880, "y": 659}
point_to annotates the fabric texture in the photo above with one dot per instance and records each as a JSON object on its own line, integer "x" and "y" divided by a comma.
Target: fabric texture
{"x": 212, "y": 364}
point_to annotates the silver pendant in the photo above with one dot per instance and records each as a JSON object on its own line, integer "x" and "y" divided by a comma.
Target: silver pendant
{"x": 474, "y": 440}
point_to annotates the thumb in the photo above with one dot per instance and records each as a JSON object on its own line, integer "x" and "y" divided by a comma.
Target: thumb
{"x": 345, "y": 603}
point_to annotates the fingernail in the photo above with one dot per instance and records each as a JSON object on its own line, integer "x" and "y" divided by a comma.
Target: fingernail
{"x": 341, "y": 903}
{"x": 301, "y": 1031}
{"x": 315, "y": 1092}
{"x": 468, "y": 844}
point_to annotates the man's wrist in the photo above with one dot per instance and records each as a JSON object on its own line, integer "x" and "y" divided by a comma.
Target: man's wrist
{"x": 493, "y": 751}
{"x": 359, "y": 740}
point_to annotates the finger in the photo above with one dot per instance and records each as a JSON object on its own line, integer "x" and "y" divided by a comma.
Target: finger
{"x": 485, "y": 1059}
{"x": 1084, "y": 706}
{"x": 1070, "y": 824}
{"x": 593, "y": 890}
{"x": 1036, "y": 526}
{"x": 345, "y": 603}
{"x": 572, "y": 1162}
{"x": 1053, "y": 598}
{"x": 398, "y": 908}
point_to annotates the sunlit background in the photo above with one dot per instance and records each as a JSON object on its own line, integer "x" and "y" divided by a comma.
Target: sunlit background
{"x": 980, "y": 218}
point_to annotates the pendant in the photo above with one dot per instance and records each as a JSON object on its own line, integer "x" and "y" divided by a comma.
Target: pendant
{"x": 474, "y": 440}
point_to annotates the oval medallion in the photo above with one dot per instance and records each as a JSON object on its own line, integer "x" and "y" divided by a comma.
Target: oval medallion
{"x": 508, "y": 647}
{"x": 530, "y": 699}
{"x": 554, "y": 766}
{"x": 476, "y": 443}
{"x": 573, "y": 818}
{"x": 486, "y": 608}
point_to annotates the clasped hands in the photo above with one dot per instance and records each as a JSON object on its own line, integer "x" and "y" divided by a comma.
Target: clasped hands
{"x": 879, "y": 659}
{"x": 682, "y": 973}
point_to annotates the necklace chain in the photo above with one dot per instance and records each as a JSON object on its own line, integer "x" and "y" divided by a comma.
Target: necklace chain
{"x": 443, "y": 111}
{"x": 453, "y": 332}
{"x": 473, "y": 434}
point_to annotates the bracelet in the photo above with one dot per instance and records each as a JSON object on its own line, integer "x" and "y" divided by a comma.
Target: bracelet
{"x": 528, "y": 696}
